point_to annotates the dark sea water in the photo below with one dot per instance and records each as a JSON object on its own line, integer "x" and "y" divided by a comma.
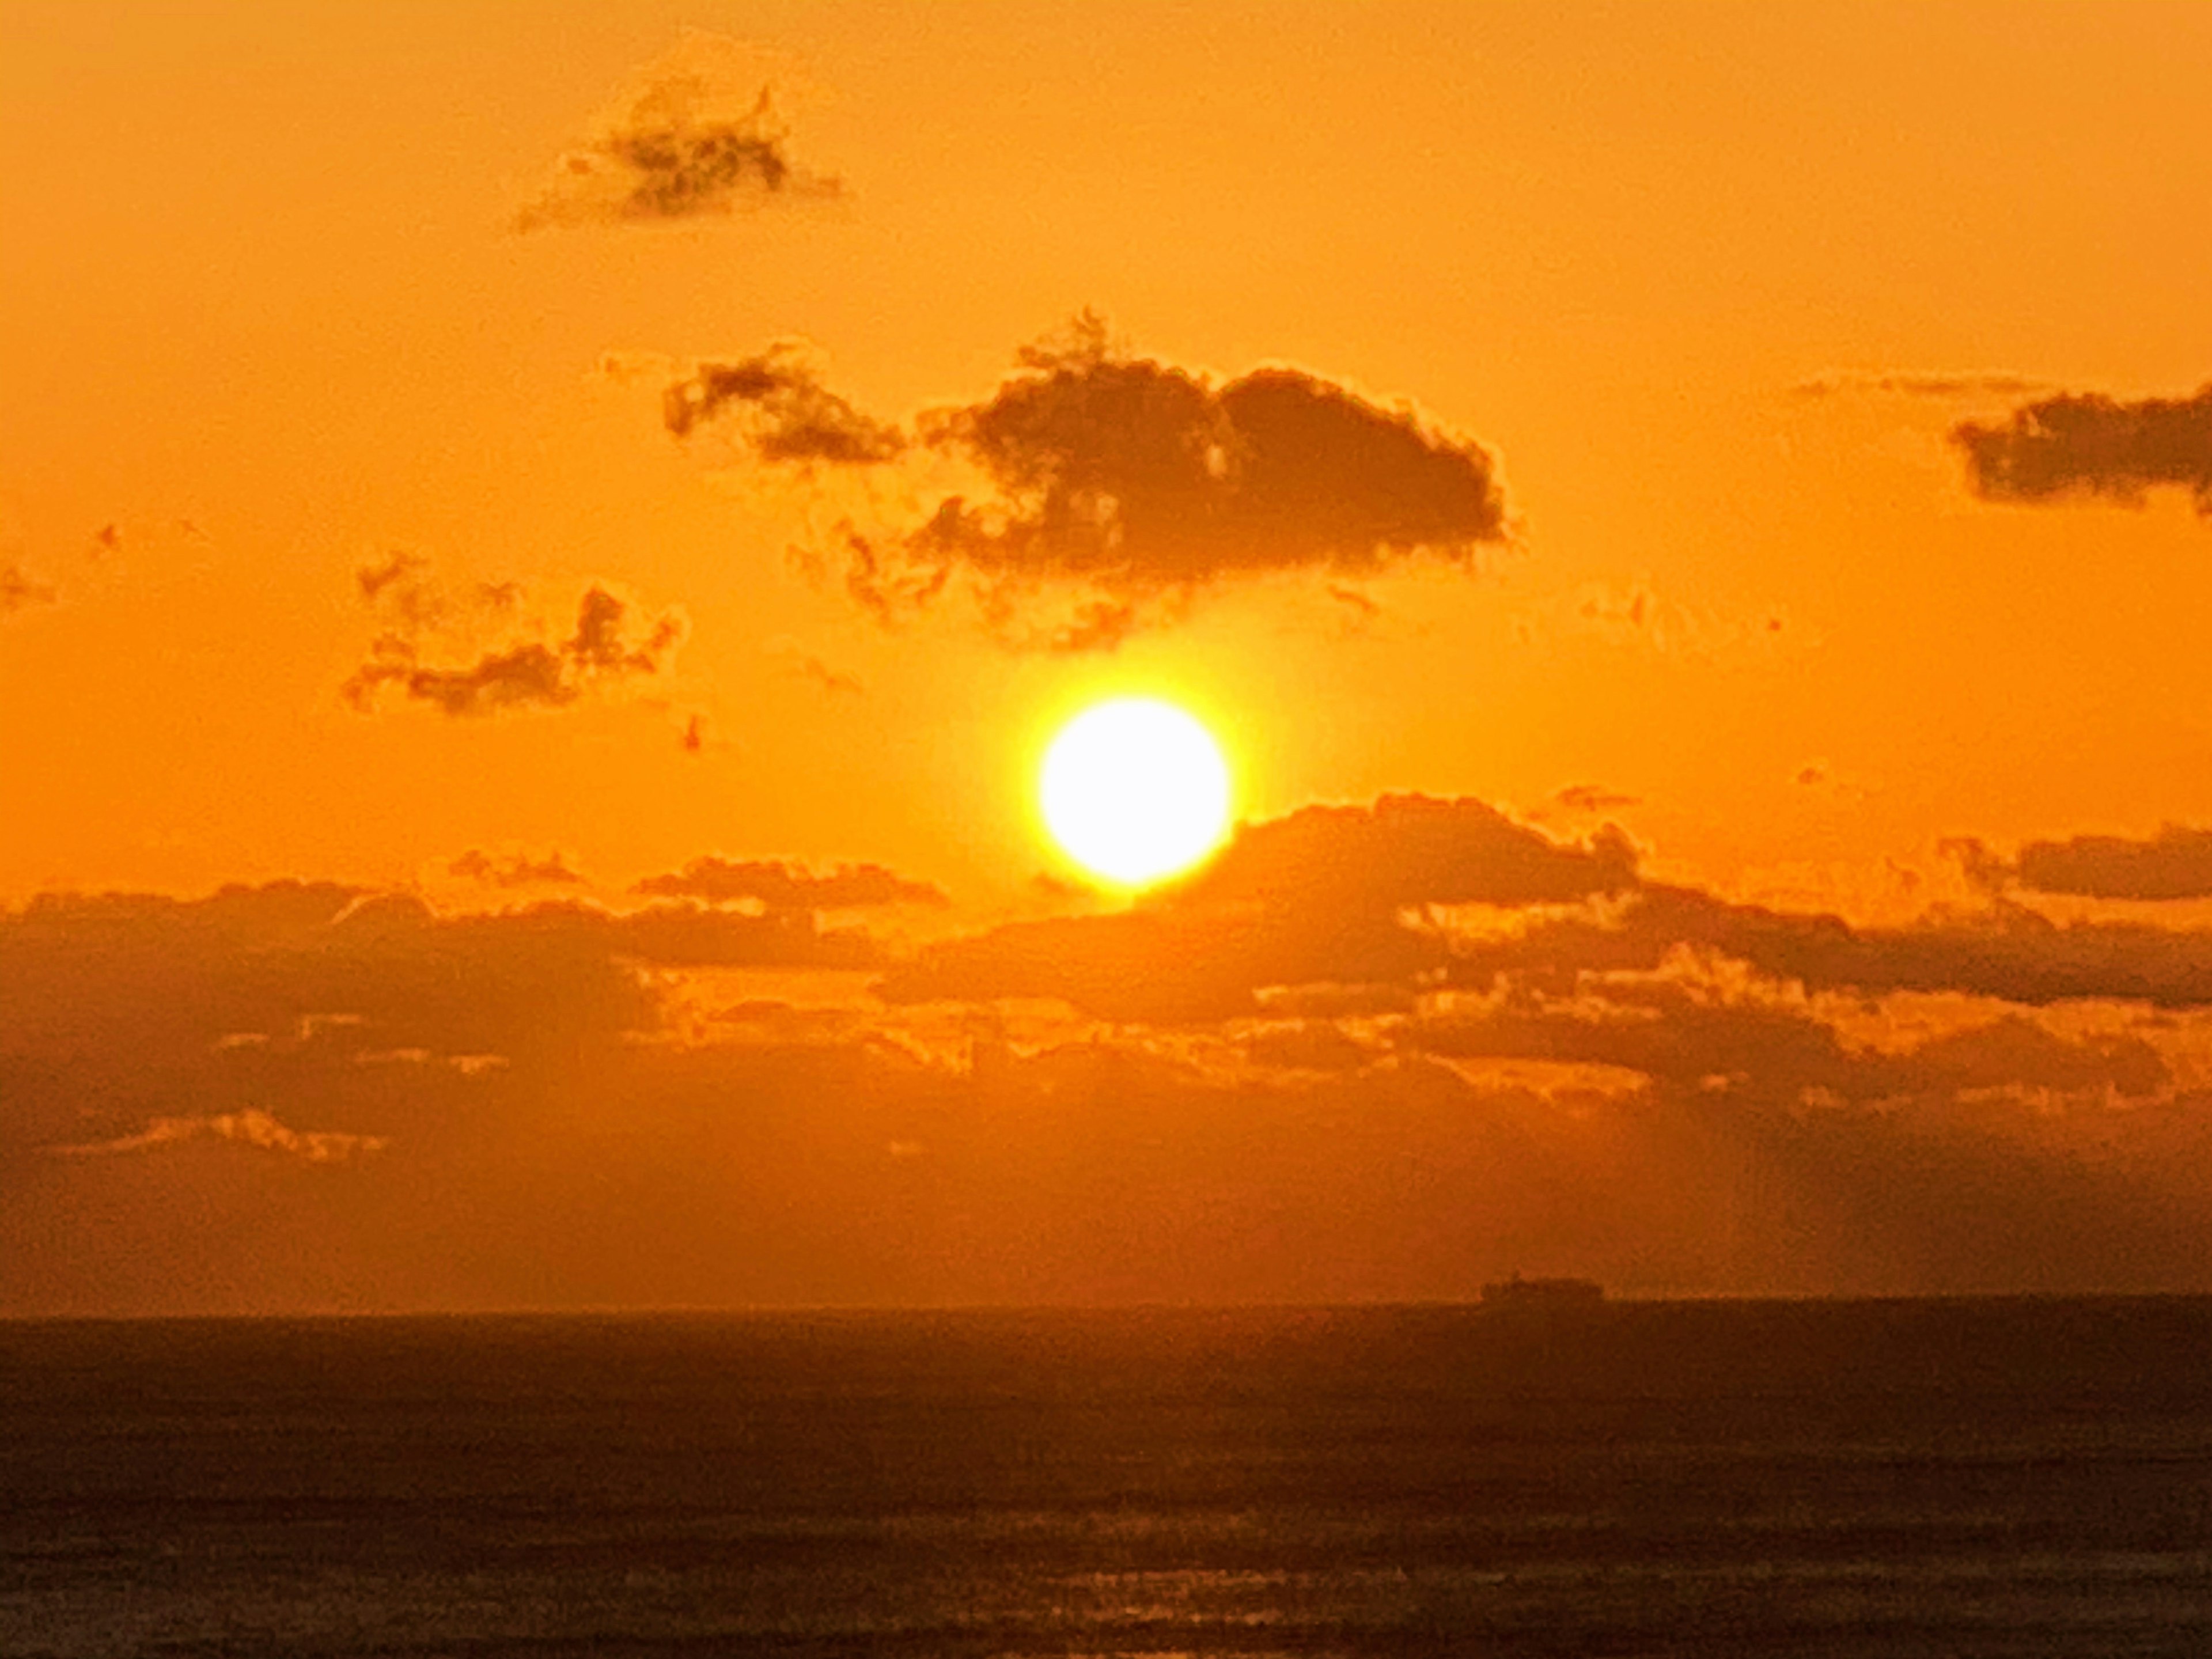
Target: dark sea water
{"x": 1958, "y": 1478}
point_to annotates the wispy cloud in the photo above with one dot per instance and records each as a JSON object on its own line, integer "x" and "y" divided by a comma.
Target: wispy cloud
{"x": 779, "y": 887}
{"x": 697, "y": 134}
{"x": 777, "y": 405}
{"x": 251, "y": 1128}
{"x": 515, "y": 872}
{"x": 1973, "y": 383}
{"x": 421, "y": 617}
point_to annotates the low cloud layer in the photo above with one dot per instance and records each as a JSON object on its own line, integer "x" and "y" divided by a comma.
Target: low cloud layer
{"x": 2080, "y": 443}
{"x": 1122, "y": 484}
{"x": 1387, "y": 1050}
{"x": 250, "y": 1127}
{"x": 2175, "y": 863}
{"x": 696, "y": 135}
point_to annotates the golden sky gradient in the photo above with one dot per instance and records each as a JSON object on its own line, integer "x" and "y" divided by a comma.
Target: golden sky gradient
{"x": 1740, "y": 466}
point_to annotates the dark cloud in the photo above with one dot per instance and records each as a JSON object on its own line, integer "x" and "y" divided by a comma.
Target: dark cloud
{"x": 1313, "y": 898}
{"x": 20, "y": 590}
{"x": 1408, "y": 850}
{"x": 2175, "y": 863}
{"x": 696, "y": 136}
{"x": 1591, "y": 797}
{"x": 2086, "y": 444}
{"x": 777, "y": 406}
{"x": 1349, "y": 897}
{"x": 529, "y": 675}
{"x": 1166, "y": 965}
{"x": 779, "y": 887}
{"x": 1682, "y": 1035}
{"x": 149, "y": 1006}
{"x": 2006, "y": 952}
{"x": 600, "y": 646}
{"x": 1126, "y": 479}
{"x": 516, "y": 871}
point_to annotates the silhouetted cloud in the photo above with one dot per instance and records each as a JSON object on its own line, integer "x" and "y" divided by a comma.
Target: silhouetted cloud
{"x": 776, "y": 405}
{"x": 1703, "y": 1036}
{"x": 695, "y": 134}
{"x": 1315, "y": 898}
{"x": 1592, "y": 798}
{"x": 779, "y": 887}
{"x": 2086, "y": 444}
{"x": 1360, "y": 897}
{"x": 1124, "y": 477}
{"x": 516, "y": 871}
{"x": 20, "y": 590}
{"x": 1164, "y": 965}
{"x": 2175, "y": 863}
{"x": 1408, "y": 850}
{"x": 600, "y": 652}
{"x": 2008, "y": 952}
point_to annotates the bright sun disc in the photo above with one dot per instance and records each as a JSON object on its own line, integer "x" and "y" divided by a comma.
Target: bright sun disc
{"x": 1135, "y": 789}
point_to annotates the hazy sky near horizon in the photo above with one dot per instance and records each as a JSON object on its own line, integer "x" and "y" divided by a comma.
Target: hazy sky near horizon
{"x": 1714, "y": 501}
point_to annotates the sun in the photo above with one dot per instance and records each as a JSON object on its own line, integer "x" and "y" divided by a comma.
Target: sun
{"x": 1134, "y": 789}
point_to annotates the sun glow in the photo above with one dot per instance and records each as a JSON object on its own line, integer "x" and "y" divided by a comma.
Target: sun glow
{"x": 1135, "y": 789}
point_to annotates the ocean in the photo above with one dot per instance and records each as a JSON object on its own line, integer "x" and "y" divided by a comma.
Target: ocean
{"x": 1956, "y": 1478}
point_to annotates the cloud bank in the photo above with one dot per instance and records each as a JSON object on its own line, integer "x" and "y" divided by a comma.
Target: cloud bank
{"x": 251, "y": 1128}
{"x": 1384, "y": 1050}
{"x": 2175, "y": 863}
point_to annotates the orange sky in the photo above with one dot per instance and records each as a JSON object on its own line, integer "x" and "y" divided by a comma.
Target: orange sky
{"x": 295, "y": 304}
